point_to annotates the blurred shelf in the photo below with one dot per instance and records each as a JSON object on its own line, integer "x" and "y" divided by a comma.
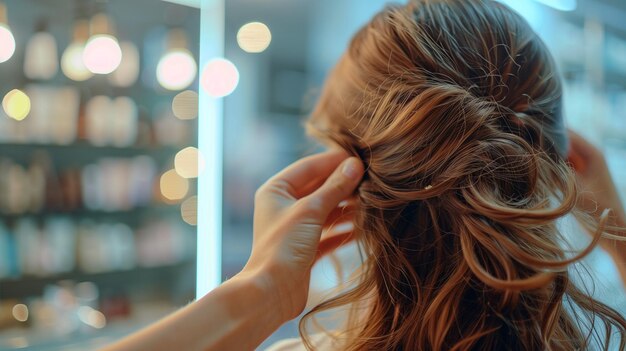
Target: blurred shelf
{"x": 85, "y": 152}
{"x": 615, "y": 77}
{"x": 576, "y": 71}
{"x": 614, "y": 140}
{"x": 144, "y": 313}
{"x": 87, "y": 213}
{"x": 119, "y": 280}
{"x": 86, "y": 145}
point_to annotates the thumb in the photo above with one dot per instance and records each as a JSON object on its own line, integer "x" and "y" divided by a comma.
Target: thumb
{"x": 339, "y": 186}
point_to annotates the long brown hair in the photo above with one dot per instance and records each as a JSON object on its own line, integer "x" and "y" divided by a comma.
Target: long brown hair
{"x": 455, "y": 109}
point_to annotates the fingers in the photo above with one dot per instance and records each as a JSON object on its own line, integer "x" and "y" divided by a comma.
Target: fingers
{"x": 583, "y": 155}
{"x": 582, "y": 147}
{"x": 302, "y": 177}
{"x": 339, "y": 186}
{"x": 576, "y": 154}
{"x": 577, "y": 162}
{"x": 576, "y": 139}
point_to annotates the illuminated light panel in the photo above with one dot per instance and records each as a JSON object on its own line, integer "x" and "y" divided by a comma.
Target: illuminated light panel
{"x": 185, "y": 105}
{"x": 173, "y": 186}
{"x": 189, "y": 210}
{"x": 188, "y": 162}
{"x": 102, "y": 54}
{"x": 72, "y": 63}
{"x": 176, "y": 70}
{"x": 210, "y": 143}
{"x": 254, "y": 37}
{"x": 219, "y": 77}
{"x": 20, "y": 312}
{"x": 16, "y": 104}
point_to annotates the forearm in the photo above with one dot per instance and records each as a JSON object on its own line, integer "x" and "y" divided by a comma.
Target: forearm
{"x": 238, "y": 315}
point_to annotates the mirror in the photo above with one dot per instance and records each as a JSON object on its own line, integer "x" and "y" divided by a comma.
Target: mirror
{"x": 98, "y": 168}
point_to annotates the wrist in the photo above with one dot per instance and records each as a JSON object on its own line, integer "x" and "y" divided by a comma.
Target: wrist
{"x": 286, "y": 293}
{"x": 264, "y": 287}
{"x": 247, "y": 314}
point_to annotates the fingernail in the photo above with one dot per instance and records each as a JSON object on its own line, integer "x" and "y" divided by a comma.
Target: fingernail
{"x": 349, "y": 168}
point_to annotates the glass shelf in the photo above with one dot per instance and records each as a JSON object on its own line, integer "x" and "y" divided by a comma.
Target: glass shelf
{"x": 8, "y": 149}
{"x": 123, "y": 280}
{"x": 89, "y": 213}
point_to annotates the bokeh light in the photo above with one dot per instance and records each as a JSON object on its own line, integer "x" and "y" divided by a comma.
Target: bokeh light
{"x": 92, "y": 317}
{"x": 189, "y": 210}
{"x": 173, "y": 186}
{"x": 16, "y": 104}
{"x": 219, "y": 77}
{"x": 176, "y": 70}
{"x": 7, "y": 43}
{"x": 189, "y": 162}
{"x": 254, "y": 37}
{"x": 185, "y": 105}
{"x": 102, "y": 54}
{"x": 20, "y": 312}
{"x": 72, "y": 63}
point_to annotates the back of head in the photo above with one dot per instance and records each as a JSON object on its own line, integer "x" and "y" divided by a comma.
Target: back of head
{"x": 454, "y": 106}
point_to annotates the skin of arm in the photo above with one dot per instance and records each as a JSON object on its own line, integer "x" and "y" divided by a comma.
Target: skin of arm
{"x": 291, "y": 211}
{"x": 598, "y": 193}
{"x": 238, "y": 315}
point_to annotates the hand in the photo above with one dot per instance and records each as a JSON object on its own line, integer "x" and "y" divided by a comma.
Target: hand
{"x": 598, "y": 190}
{"x": 291, "y": 211}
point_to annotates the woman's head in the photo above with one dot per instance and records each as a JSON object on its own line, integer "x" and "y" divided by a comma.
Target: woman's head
{"x": 419, "y": 68}
{"x": 455, "y": 109}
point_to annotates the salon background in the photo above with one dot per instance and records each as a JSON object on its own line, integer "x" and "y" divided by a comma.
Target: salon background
{"x": 99, "y": 158}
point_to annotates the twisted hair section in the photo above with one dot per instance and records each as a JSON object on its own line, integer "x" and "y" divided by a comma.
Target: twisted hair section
{"x": 454, "y": 107}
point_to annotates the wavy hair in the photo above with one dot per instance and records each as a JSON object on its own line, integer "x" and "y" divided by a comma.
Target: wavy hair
{"x": 454, "y": 106}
